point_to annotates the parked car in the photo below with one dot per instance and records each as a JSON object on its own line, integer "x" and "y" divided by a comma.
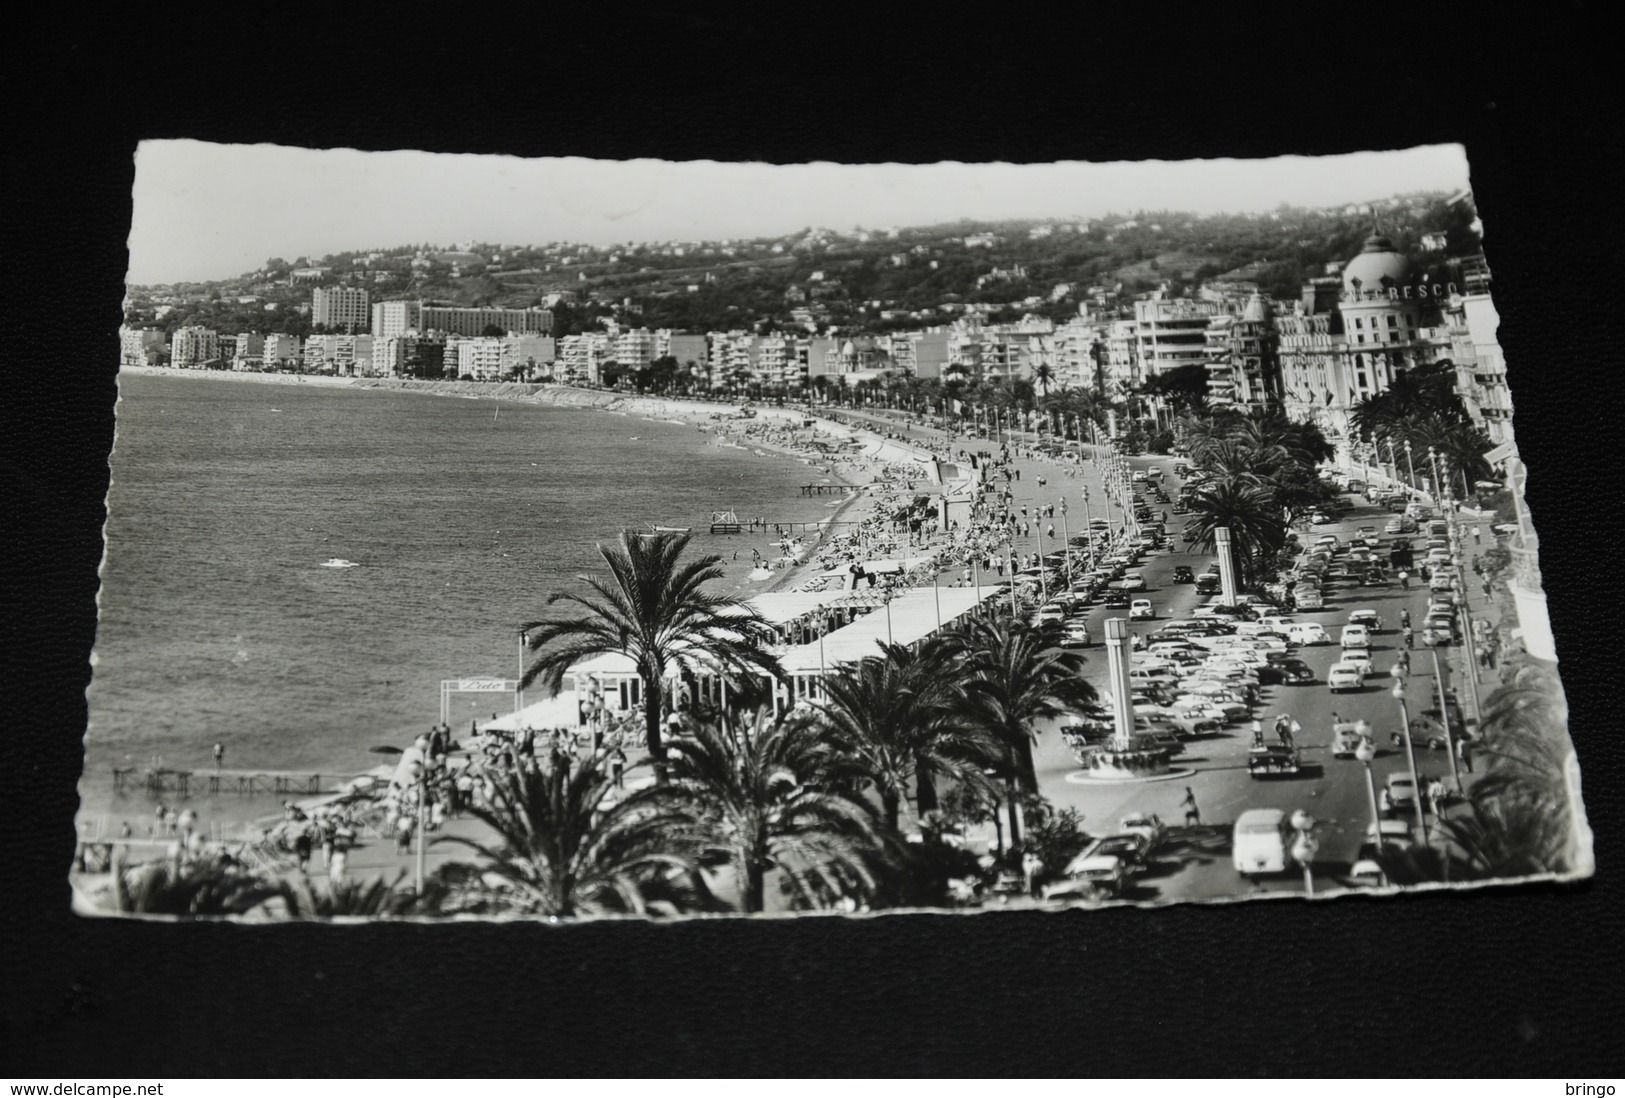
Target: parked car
{"x": 1074, "y": 634}
{"x": 1398, "y": 793}
{"x": 1260, "y": 840}
{"x": 1307, "y": 633}
{"x": 1293, "y": 672}
{"x": 1051, "y": 613}
{"x": 1088, "y": 877}
{"x": 1148, "y": 825}
{"x": 1132, "y": 849}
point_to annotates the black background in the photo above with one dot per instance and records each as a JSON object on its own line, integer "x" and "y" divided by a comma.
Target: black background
{"x": 1503, "y": 981}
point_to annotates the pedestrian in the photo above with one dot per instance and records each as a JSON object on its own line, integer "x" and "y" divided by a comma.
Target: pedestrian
{"x": 1464, "y": 754}
{"x": 335, "y": 867}
{"x": 219, "y": 754}
{"x": 403, "y": 834}
{"x": 301, "y": 849}
{"x": 1258, "y": 732}
{"x": 1477, "y": 538}
{"x": 1404, "y": 619}
{"x": 1193, "y": 814}
{"x": 1407, "y": 634}
{"x": 1404, "y": 580}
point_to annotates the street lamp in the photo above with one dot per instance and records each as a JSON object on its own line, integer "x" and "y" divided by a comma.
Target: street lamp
{"x": 1410, "y": 464}
{"x": 1304, "y": 848}
{"x": 1410, "y": 758}
{"x": 1444, "y": 714}
{"x": 1365, "y": 751}
{"x": 1066, "y": 540}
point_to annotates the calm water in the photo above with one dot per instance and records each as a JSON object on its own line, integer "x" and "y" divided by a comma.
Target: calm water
{"x": 218, "y": 623}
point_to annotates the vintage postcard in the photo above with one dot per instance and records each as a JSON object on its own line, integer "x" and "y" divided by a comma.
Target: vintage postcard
{"x": 573, "y": 539}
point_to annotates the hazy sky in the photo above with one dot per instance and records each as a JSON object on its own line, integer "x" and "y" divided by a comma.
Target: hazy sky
{"x": 206, "y": 211}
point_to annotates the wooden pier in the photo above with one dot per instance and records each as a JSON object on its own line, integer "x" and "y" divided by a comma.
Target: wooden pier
{"x": 247, "y": 783}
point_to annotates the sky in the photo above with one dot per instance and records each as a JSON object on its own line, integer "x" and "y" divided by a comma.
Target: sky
{"x": 205, "y": 211}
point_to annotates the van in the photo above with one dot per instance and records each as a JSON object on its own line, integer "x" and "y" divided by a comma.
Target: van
{"x": 1260, "y": 842}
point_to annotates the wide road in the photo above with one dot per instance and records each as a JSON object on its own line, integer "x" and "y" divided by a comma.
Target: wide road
{"x": 1195, "y": 863}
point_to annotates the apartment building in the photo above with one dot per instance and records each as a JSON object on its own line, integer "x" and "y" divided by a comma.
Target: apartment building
{"x": 281, "y": 350}
{"x": 635, "y": 348}
{"x": 340, "y": 307}
{"x": 457, "y": 320}
{"x": 140, "y": 346}
{"x": 391, "y": 319}
{"x": 1170, "y": 333}
{"x": 345, "y": 355}
{"x": 683, "y": 347}
{"x": 1481, "y": 378}
{"x": 191, "y": 348}
{"x": 581, "y": 356}
{"x": 247, "y": 353}
{"x": 479, "y": 359}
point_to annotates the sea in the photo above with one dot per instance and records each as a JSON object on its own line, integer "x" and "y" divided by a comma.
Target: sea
{"x": 220, "y": 621}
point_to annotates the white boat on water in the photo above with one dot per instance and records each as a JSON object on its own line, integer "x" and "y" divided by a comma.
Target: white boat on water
{"x": 339, "y": 562}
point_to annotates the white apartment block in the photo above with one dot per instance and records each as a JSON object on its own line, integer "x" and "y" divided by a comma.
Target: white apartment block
{"x": 580, "y": 356}
{"x": 345, "y": 355}
{"x": 139, "y": 346}
{"x": 1171, "y": 333}
{"x": 456, "y": 320}
{"x": 249, "y": 353}
{"x": 526, "y": 356}
{"x": 479, "y": 359}
{"x": 281, "y": 350}
{"x": 343, "y": 307}
{"x": 191, "y": 347}
{"x": 394, "y": 318}
{"x": 634, "y": 348}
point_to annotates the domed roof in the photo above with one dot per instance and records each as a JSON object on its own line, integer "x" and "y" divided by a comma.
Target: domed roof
{"x": 1377, "y": 267}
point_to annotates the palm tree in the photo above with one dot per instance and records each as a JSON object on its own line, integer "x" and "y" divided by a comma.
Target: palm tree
{"x": 1257, "y": 528}
{"x": 1016, "y": 677}
{"x": 191, "y": 891}
{"x": 655, "y": 609}
{"x": 1044, "y": 374}
{"x": 563, "y": 848}
{"x": 773, "y": 796}
{"x": 352, "y": 897}
{"x": 898, "y": 715}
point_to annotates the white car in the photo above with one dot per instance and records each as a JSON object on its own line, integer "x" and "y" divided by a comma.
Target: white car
{"x": 1224, "y": 703}
{"x": 1134, "y": 581}
{"x": 1359, "y": 657}
{"x": 1356, "y": 636}
{"x": 1344, "y": 676}
{"x": 1368, "y": 618}
{"x": 1141, "y": 610}
{"x": 1307, "y": 632}
{"x": 1265, "y": 643}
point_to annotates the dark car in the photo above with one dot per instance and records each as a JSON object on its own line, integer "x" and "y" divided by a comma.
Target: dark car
{"x": 1207, "y": 584}
{"x": 1293, "y": 672}
{"x": 1117, "y": 599}
{"x": 1183, "y": 574}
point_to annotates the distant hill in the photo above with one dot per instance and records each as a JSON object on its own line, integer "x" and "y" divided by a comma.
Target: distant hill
{"x": 829, "y": 278}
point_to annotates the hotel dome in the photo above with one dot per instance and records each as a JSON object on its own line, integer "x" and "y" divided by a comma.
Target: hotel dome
{"x": 1377, "y": 267}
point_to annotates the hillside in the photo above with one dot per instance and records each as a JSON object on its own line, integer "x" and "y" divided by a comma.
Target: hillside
{"x": 854, "y": 281}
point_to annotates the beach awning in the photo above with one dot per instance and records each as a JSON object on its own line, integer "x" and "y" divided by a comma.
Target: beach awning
{"x": 913, "y": 616}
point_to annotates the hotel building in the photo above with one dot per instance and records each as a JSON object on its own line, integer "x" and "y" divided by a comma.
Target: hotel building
{"x": 342, "y": 307}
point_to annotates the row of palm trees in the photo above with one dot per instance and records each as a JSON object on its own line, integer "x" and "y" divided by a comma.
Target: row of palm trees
{"x": 1258, "y": 476}
{"x": 1422, "y": 408}
{"x": 814, "y": 800}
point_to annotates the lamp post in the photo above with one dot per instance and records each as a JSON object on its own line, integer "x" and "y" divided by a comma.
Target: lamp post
{"x": 1365, "y": 751}
{"x": 1066, "y": 541}
{"x": 1410, "y": 759}
{"x": 1089, "y": 531}
{"x": 1410, "y": 464}
{"x": 1444, "y": 715}
{"x": 1305, "y": 848}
